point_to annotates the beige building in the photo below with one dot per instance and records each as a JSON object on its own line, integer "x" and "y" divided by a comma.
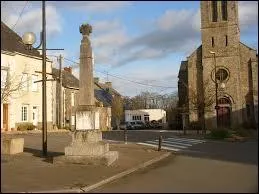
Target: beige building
{"x": 65, "y": 104}
{"x": 236, "y": 67}
{"x": 21, "y": 98}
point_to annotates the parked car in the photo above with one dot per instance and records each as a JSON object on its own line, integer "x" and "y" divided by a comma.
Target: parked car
{"x": 141, "y": 124}
{"x": 148, "y": 125}
{"x": 135, "y": 125}
{"x": 126, "y": 125}
{"x": 155, "y": 124}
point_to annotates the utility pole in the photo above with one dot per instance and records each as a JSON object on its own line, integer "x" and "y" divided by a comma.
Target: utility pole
{"x": 216, "y": 88}
{"x": 29, "y": 39}
{"x": 60, "y": 94}
{"x": 44, "y": 92}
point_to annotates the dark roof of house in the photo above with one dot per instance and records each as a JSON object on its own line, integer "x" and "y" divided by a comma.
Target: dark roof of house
{"x": 101, "y": 91}
{"x": 68, "y": 79}
{"x": 12, "y": 42}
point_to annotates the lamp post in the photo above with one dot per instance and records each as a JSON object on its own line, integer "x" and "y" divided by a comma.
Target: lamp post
{"x": 29, "y": 39}
{"x": 216, "y": 87}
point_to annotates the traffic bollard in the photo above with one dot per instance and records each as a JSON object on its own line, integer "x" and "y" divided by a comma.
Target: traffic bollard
{"x": 125, "y": 136}
{"x": 160, "y": 142}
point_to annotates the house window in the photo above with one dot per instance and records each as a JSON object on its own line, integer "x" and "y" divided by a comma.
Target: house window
{"x": 214, "y": 11}
{"x": 25, "y": 82}
{"x": 136, "y": 118}
{"x": 146, "y": 118}
{"x": 25, "y": 113}
{"x": 226, "y": 40}
{"x": 34, "y": 86}
{"x": 224, "y": 10}
{"x": 3, "y": 78}
{"x": 72, "y": 99}
{"x": 212, "y": 41}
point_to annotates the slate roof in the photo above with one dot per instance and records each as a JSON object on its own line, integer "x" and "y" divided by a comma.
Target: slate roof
{"x": 12, "y": 42}
{"x": 68, "y": 79}
{"x": 101, "y": 91}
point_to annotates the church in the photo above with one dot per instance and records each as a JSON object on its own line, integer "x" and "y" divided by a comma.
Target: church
{"x": 218, "y": 83}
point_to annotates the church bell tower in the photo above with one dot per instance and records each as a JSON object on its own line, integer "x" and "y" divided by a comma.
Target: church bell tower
{"x": 220, "y": 28}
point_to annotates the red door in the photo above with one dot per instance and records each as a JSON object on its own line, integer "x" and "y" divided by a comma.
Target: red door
{"x": 224, "y": 116}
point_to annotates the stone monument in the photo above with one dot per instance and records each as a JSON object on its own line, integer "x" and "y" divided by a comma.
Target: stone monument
{"x": 87, "y": 146}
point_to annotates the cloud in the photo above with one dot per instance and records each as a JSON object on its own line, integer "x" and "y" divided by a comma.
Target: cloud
{"x": 31, "y": 20}
{"x": 108, "y": 36}
{"x": 248, "y": 15}
{"x": 93, "y": 6}
{"x": 169, "y": 36}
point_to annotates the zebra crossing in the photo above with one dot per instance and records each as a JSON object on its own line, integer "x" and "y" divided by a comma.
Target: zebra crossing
{"x": 173, "y": 143}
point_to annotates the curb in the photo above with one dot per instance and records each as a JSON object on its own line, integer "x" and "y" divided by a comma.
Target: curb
{"x": 122, "y": 174}
{"x": 32, "y": 132}
{"x": 105, "y": 181}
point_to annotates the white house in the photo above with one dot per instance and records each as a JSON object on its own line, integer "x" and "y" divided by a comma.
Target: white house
{"x": 145, "y": 115}
{"x": 21, "y": 98}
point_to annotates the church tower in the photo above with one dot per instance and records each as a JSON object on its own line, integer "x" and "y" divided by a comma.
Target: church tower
{"x": 220, "y": 36}
{"x": 220, "y": 28}
{"x": 220, "y": 77}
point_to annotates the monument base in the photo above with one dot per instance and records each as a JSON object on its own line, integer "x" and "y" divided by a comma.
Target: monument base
{"x": 106, "y": 159}
{"x": 87, "y": 118}
{"x": 87, "y": 147}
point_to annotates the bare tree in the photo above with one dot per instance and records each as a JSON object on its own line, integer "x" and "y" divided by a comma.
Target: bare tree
{"x": 201, "y": 101}
{"x": 117, "y": 109}
{"x": 11, "y": 84}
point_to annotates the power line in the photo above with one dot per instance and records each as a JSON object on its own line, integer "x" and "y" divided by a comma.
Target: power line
{"x": 137, "y": 82}
{"x": 20, "y": 15}
{"x": 118, "y": 77}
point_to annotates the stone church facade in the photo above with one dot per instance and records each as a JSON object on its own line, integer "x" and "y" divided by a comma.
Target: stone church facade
{"x": 236, "y": 67}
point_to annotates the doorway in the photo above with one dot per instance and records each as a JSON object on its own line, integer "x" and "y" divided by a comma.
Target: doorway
{"x": 224, "y": 112}
{"x": 35, "y": 115}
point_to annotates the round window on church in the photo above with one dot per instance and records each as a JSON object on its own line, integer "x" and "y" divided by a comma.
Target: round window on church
{"x": 222, "y": 75}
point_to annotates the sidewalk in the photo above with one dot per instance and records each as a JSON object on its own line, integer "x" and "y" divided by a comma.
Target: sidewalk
{"x": 33, "y": 132}
{"x": 28, "y": 172}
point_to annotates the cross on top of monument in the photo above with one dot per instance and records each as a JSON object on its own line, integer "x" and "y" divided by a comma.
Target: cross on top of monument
{"x": 85, "y": 29}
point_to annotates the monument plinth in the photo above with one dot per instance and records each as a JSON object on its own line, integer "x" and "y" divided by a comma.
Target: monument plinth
{"x": 87, "y": 146}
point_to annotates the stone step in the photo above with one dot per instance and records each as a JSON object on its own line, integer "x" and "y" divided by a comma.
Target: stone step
{"x": 87, "y": 149}
{"x": 106, "y": 159}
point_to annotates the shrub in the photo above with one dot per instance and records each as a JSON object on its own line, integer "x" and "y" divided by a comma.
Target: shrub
{"x": 219, "y": 134}
{"x": 25, "y": 126}
{"x": 244, "y": 132}
{"x": 248, "y": 125}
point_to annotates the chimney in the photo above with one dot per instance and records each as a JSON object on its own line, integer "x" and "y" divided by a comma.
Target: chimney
{"x": 96, "y": 80}
{"x": 108, "y": 84}
{"x": 68, "y": 69}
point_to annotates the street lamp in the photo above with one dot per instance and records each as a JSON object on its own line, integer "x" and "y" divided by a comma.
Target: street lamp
{"x": 29, "y": 39}
{"x": 216, "y": 86}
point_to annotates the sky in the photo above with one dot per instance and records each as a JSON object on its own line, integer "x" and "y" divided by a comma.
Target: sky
{"x": 138, "y": 46}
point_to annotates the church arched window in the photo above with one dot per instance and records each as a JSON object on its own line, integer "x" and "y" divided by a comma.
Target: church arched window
{"x": 221, "y": 75}
{"x": 214, "y": 11}
{"x": 224, "y": 10}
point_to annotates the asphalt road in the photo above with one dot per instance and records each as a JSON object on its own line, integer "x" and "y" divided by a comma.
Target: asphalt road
{"x": 243, "y": 152}
{"x": 213, "y": 166}
{"x": 189, "y": 175}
